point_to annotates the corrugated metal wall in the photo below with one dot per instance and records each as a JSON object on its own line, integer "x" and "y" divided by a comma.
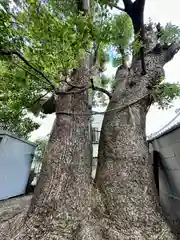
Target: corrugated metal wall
{"x": 15, "y": 163}
{"x": 168, "y": 147}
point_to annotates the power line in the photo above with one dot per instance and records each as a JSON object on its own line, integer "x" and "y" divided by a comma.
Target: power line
{"x": 103, "y": 112}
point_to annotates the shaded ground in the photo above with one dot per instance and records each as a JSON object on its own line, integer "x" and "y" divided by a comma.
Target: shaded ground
{"x": 14, "y": 206}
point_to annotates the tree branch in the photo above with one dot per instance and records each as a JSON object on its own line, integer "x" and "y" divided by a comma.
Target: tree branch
{"x": 127, "y": 4}
{"x": 95, "y": 88}
{"x": 84, "y": 88}
{"x": 139, "y": 8}
{"x": 143, "y": 65}
{"x": 170, "y": 52}
{"x": 159, "y": 30}
{"x": 30, "y": 73}
{"x": 117, "y": 7}
{"x": 14, "y": 52}
{"x": 103, "y": 91}
{"x": 31, "y": 104}
{"x": 136, "y": 12}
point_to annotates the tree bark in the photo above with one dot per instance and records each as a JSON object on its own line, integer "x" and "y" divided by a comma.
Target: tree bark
{"x": 124, "y": 175}
{"x": 61, "y": 200}
{"x": 123, "y": 203}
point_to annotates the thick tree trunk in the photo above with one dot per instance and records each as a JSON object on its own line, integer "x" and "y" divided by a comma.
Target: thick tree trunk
{"x": 61, "y": 200}
{"x": 124, "y": 175}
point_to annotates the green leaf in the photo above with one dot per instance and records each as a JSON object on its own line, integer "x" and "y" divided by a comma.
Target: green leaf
{"x": 170, "y": 34}
{"x": 166, "y": 93}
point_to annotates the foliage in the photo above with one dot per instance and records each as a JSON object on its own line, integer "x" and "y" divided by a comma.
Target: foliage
{"x": 16, "y": 93}
{"x": 21, "y": 126}
{"x": 121, "y": 37}
{"x": 44, "y": 31}
{"x": 53, "y": 37}
{"x": 136, "y": 45}
{"x": 99, "y": 98}
{"x": 51, "y": 43}
{"x": 170, "y": 34}
{"x": 166, "y": 93}
{"x": 121, "y": 31}
{"x": 115, "y": 32}
{"x": 47, "y": 42}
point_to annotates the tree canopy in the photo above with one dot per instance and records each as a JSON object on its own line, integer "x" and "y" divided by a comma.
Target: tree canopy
{"x": 43, "y": 41}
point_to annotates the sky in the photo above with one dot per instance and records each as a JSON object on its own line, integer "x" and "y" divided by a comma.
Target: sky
{"x": 159, "y": 11}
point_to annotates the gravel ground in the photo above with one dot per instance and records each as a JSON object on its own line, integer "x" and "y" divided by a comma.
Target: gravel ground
{"x": 11, "y": 207}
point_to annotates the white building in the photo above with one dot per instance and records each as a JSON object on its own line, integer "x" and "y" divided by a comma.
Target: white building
{"x": 96, "y": 129}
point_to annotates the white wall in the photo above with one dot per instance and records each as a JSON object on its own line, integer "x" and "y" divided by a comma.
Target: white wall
{"x": 97, "y": 123}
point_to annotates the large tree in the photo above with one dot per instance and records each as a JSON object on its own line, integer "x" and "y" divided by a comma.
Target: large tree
{"x": 67, "y": 43}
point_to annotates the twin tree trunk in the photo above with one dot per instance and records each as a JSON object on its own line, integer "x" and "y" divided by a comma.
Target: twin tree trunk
{"x": 124, "y": 174}
{"x": 122, "y": 203}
